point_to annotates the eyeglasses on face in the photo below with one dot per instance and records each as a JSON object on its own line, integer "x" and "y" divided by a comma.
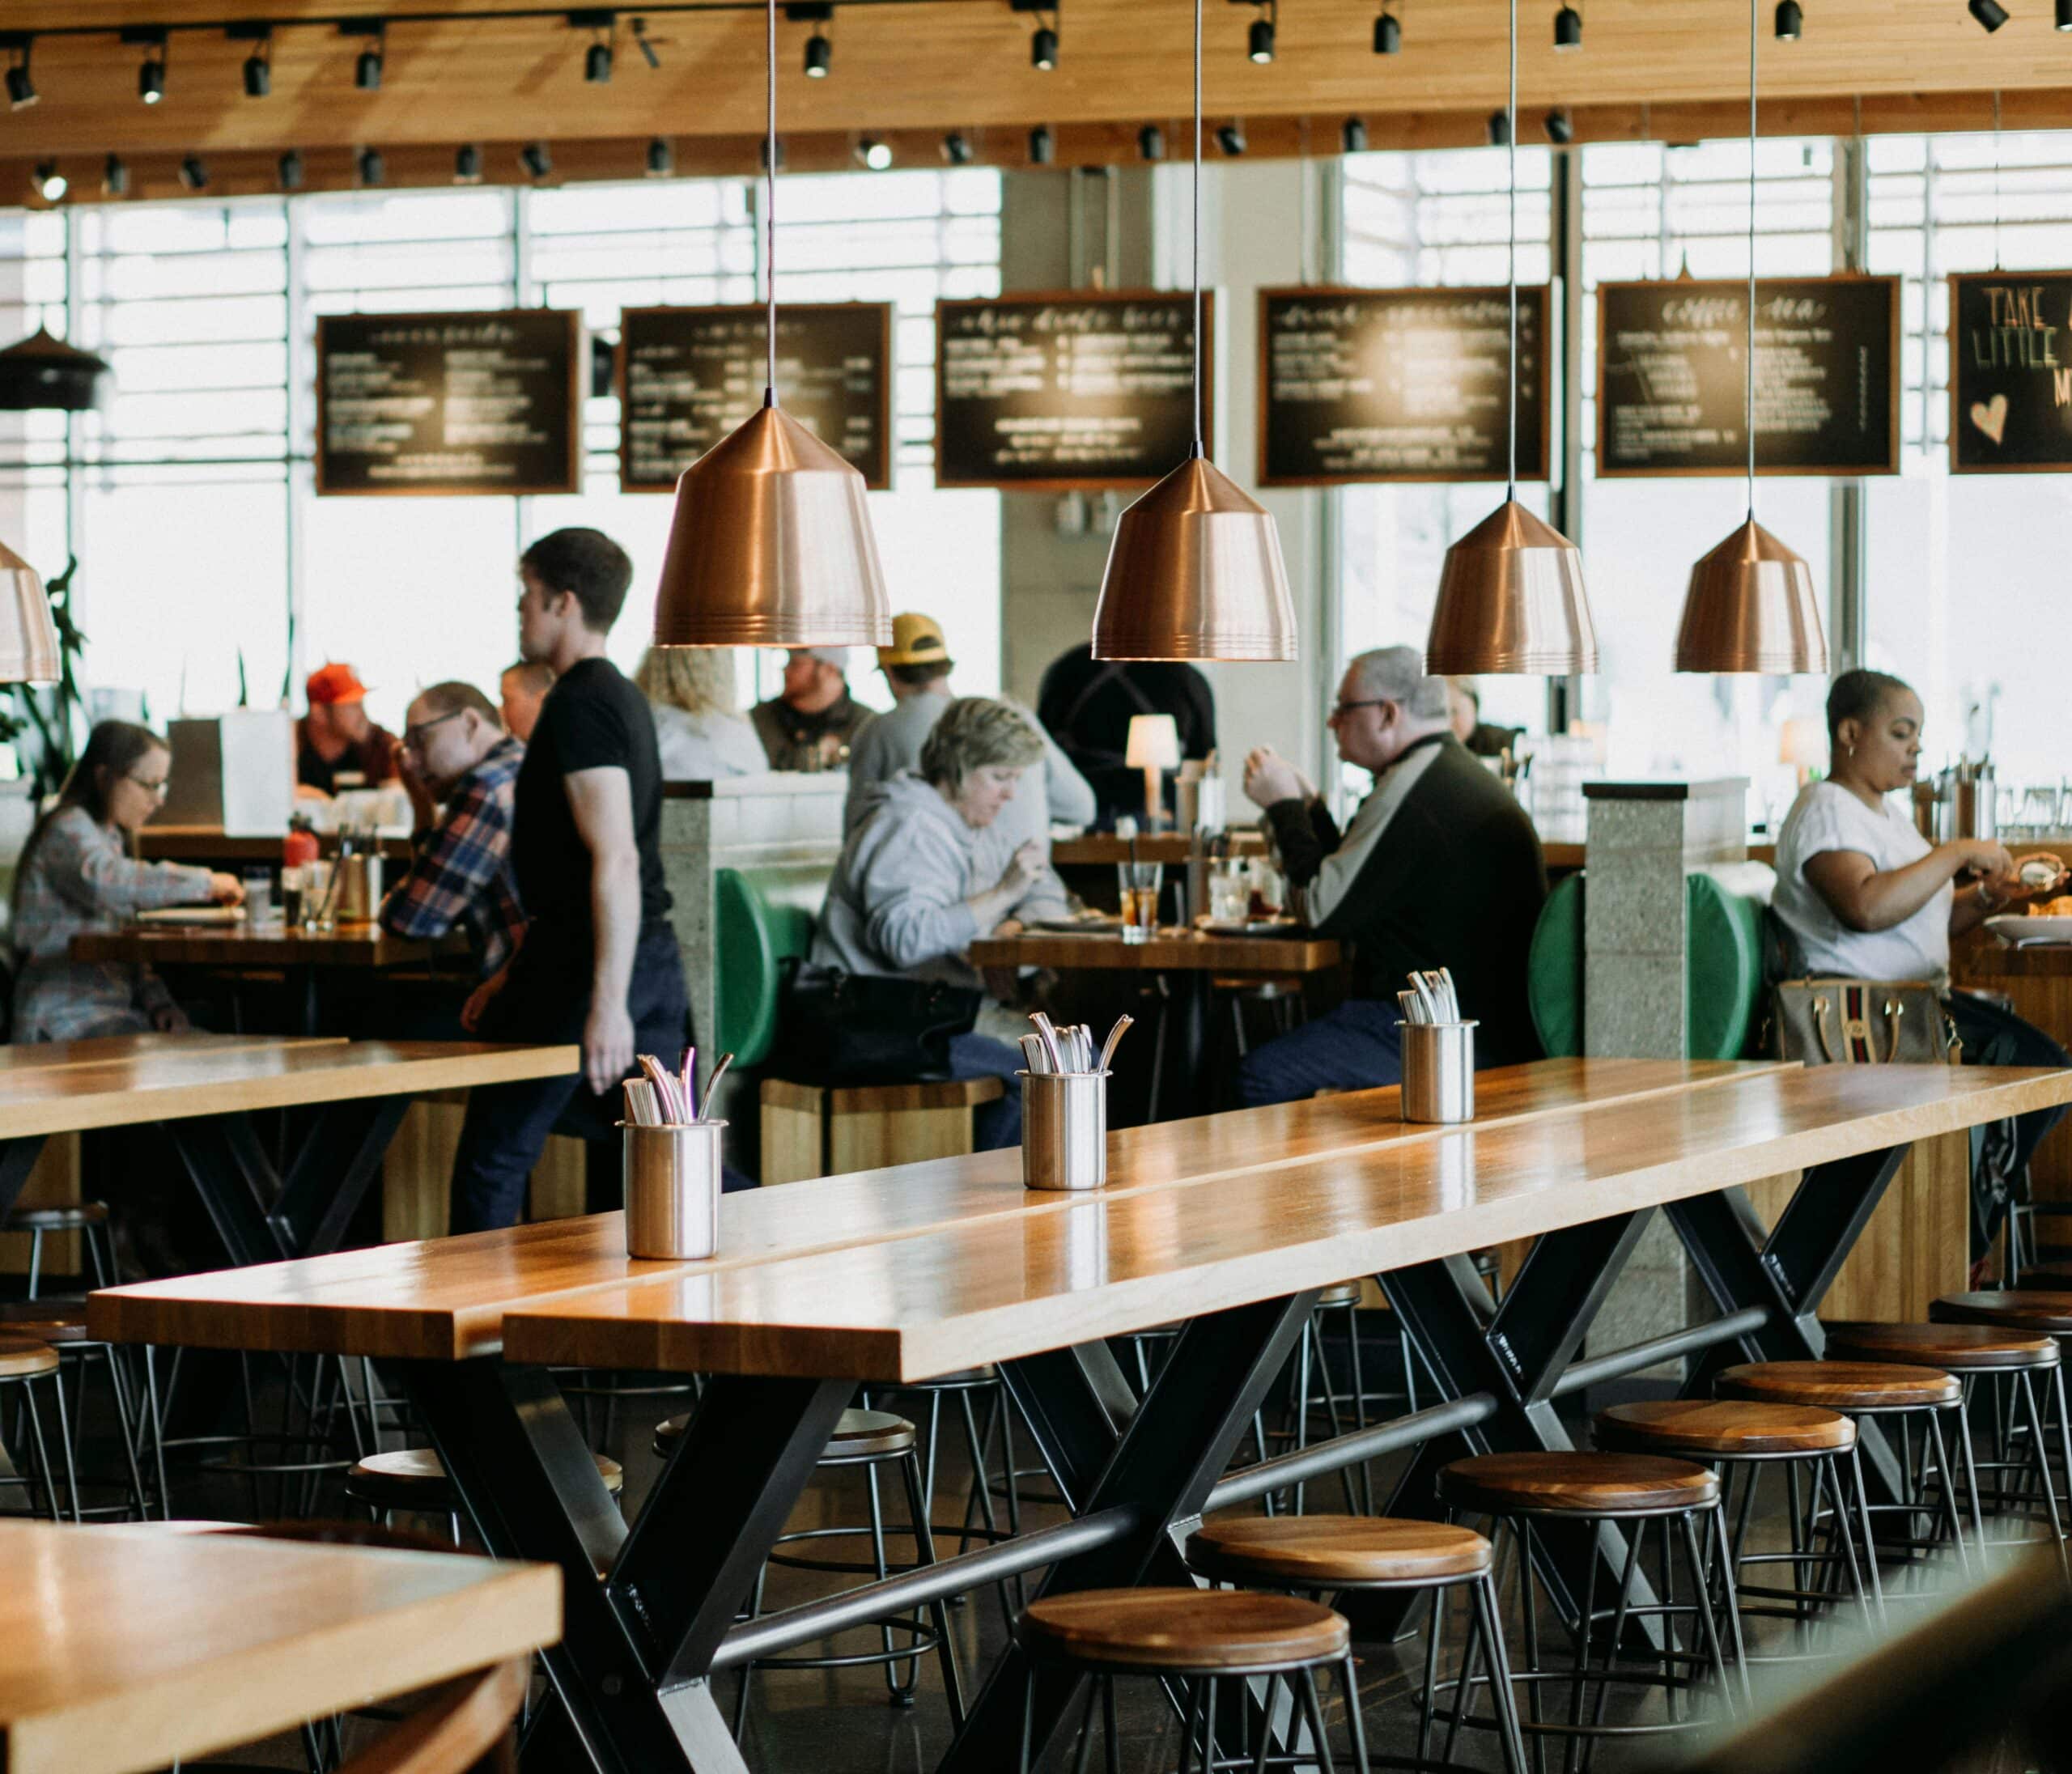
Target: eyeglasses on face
{"x": 1343, "y": 709}
{"x": 413, "y": 736}
{"x": 150, "y": 785}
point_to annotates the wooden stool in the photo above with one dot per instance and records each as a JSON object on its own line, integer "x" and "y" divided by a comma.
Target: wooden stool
{"x": 23, "y": 1361}
{"x": 1524, "y": 1490}
{"x": 89, "y": 1219}
{"x": 1283, "y": 997}
{"x": 1202, "y": 1639}
{"x": 1743, "y": 1439}
{"x": 824, "y": 1130}
{"x": 61, "y": 1323}
{"x": 1881, "y": 1389}
{"x": 413, "y": 1481}
{"x": 1325, "y": 1554}
{"x": 868, "y": 1439}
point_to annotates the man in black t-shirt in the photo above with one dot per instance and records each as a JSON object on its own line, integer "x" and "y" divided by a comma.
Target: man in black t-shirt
{"x": 598, "y": 961}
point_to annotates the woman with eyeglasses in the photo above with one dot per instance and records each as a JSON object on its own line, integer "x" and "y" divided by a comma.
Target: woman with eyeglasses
{"x": 78, "y": 873}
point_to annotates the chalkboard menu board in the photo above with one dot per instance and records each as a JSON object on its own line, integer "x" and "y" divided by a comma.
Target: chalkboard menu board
{"x": 2010, "y": 373}
{"x": 1671, "y": 394}
{"x": 1399, "y": 385}
{"x": 449, "y": 403}
{"x": 1083, "y": 389}
{"x": 690, "y": 375}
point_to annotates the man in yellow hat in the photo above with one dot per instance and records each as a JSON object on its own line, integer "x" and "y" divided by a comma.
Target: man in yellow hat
{"x": 917, "y": 667}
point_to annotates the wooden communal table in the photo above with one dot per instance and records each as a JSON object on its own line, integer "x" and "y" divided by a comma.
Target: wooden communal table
{"x": 210, "y": 845}
{"x": 1197, "y": 957}
{"x": 203, "y": 1089}
{"x": 1096, "y": 850}
{"x": 1234, "y": 1222}
{"x": 2037, "y": 979}
{"x": 128, "y": 1649}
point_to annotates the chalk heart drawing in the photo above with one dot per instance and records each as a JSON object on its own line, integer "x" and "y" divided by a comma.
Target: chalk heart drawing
{"x": 1990, "y": 416}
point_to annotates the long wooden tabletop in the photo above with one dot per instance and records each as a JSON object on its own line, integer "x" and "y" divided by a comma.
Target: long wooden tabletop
{"x": 45, "y": 1056}
{"x": 1013, "y": 1285}
{"x": 124, "y": 1649}
{"x": 1168, "y": 951}
{"x": 446, "y": 1299}
{"x": 358, "y": 945}
{"x": 182, "y": 1078}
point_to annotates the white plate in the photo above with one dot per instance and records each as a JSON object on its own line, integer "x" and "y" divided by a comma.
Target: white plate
{"x": 1092, "y": 922}
{"x": 2020, "y": 932}
{"x": 192, "y": 914}
{"x": 1249, "y": 927}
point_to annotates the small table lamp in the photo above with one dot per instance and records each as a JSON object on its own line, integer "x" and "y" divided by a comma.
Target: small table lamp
{"x": 1154, "y": 748}
{"x": 1803, "y": 745}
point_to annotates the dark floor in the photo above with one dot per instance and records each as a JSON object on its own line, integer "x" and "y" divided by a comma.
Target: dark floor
{"x": 843, "y": 1721}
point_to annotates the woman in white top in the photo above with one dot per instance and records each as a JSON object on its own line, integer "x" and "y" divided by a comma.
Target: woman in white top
{"x": 699, "y": 728}
{"x": 1868, "y": 898}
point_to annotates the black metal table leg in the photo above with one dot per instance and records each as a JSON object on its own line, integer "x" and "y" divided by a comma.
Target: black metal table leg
{"x": 1169, "y": 1456}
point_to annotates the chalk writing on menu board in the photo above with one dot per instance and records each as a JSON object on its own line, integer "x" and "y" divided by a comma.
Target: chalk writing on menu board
{"x": 1080, "y": 390}
{"x": 449, "y": 403}
{"x": 1671, "y": 389}
{"x": 1397, "y": 385}
{"x": 2010, "y": 372}
{"x": 692, "y": 375}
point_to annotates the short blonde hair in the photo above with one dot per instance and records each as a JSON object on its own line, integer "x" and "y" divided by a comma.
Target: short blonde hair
{"x": 698, "y": 679}
{"x": 975, "y": 732}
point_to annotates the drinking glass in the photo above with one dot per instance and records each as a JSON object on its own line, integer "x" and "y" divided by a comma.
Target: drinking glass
{"x": 1139, "y": 885}
{"x": 1229, "y": 893}
{"x": 259, "y": 896}
{"x": 318, "y": 912}
{"x": 2039, "y": 812}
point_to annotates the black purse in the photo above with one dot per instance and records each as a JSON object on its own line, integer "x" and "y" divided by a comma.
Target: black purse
{"x": 840, "y": 1028}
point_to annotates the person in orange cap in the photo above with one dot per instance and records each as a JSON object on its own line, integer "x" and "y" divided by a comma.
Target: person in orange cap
{"x": 335, "y": 740}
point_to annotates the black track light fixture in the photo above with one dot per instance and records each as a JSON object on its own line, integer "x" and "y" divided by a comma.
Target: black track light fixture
{"x": 372, "y": 167}
{"x": 1560, "y": 126}
{"x": 1151, "y": 143}
{"x": 1990, "y": 14}
{"x": 1500, "y": 129}
{"x": 1568, "y": 29}
{"x": 368, "y": 65}
{"x": 1352, "y": 136}
{"x": 114, "y": 177}
{"x": 21, "y": 88}
{"x": 259, "y": 70}
{"x": 820, "y": 55}
{"x": 288, "y": 171}
{"x": 597, "y": 63}
{"x": 641, "y": 42}
{"x": 762, "y": 155}
{"x": 1230, "y": 138}
{"x": 467, "y": 164}
{"x": 192, "y": 174}
{"x": 661, "y": 158}
{"x": 1043, "y": 45}
{"x": 1042, "y": 146}
{"x": 50, "y": 184}
{"x": 2065, "y": 14}
{"x": 151, "y": 76}
{"x": 536, "y": 161}
{"x": 872, "y": 153}
{"x": 957, "y": 149}
{"x": 1790, "y": 22}
{"x": 1388, "y": 34}
{"x": 1258, "y": 40}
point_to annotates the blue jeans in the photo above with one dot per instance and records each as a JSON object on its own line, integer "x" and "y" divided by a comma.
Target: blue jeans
{"x": 1354, "y": 1047}
{"x": 1993, "y": 1037}
{"x": 993, "y": 1124}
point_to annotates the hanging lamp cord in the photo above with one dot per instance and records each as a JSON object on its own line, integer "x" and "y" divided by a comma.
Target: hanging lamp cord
{"x": 770, "y": 216}
{"x": 1750, "y": 367}
{"x": 1196, "y": 244}
{"x": 1511, "y": 253}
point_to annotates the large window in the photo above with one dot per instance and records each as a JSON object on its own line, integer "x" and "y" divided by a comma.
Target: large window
{"x": 189, "y": 497}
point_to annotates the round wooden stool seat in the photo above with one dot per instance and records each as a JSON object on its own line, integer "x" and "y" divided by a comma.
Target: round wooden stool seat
{"x": 1336, "y": 1552}
{"x": 1345, "y": 1293}
{"x": 861, "y": 1435}
{"x": 415, "y": 1479}
{"x": 1205, "y": 1630}
{"x": 22, "y": 1359}
{"x": 1839, "y": 1386}
{"x": 1953, "y": 1348}
{"x": 1722, "y": 1428}
{"x": 2021, "y": 1307}
{"x": 48, "y": 1321}
{"x": 73, "y": 1216}
{"x": 1565, "y": 1483}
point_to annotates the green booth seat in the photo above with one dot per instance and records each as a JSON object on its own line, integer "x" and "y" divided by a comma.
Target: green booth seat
{"x": 1724, "y": 964}
{"x": 763, "y": 918}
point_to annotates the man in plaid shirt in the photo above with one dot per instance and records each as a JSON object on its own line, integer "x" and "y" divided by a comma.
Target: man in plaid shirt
{"x": 455, "y": 747}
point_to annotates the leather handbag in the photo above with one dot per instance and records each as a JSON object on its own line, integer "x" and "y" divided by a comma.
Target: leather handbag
{"x": 840, "y": 1028}
{"x": 1861, "y": 1022}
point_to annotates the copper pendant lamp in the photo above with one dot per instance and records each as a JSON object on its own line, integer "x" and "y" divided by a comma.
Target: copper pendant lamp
{"x": 29, "y": 638}
{"x": 1194, "y": 570}
{"x": 771, "y": 543}
{"x": 1751, "y": 606}
{"x": 1511, "y": 596}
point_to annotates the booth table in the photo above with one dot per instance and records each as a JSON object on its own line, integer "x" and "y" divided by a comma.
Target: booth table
{"x": 128, "y": 1648}
{"x": 1234, "y": 1223}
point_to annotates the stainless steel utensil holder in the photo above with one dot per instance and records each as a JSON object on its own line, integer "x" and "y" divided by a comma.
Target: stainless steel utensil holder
{"x": 1438, "y": 1070}
{"x": 671, "y": 1189}
{"x": 1064, "y": 1129}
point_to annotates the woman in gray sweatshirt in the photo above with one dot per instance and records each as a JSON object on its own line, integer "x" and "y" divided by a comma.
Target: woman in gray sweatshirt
{"x": 901, "y": 901}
